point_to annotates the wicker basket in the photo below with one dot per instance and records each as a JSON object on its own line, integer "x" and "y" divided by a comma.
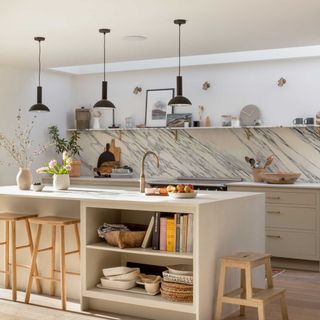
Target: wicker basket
{"x": 177, "y": 292}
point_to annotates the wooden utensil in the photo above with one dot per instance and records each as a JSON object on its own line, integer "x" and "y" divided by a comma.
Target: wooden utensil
{"x": 268, "y": 161}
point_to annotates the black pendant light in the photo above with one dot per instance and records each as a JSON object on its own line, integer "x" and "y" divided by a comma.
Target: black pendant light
{"x": 179, "y": 100}
{"x": 39, "y": 106}
{"x": 104, "y": 103}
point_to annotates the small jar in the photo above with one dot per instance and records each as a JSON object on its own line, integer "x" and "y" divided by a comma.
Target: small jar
{"x": 235, "y": 121}
{"x": 226, "y": 120}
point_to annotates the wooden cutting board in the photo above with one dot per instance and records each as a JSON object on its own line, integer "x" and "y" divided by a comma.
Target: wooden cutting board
{"x": 115, "y": 150}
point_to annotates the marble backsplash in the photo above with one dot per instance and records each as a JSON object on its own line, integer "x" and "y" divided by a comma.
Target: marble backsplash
{"x": 217, "y": 152}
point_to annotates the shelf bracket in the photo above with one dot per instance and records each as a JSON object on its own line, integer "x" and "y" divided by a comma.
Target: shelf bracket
{"x": 248, "y": 133}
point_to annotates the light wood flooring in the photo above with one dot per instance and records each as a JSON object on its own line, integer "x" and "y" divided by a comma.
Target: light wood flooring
{"x": 303, "y": 299}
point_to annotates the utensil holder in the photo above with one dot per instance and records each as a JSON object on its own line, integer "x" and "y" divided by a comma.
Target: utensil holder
{"x": 257, "y": 174}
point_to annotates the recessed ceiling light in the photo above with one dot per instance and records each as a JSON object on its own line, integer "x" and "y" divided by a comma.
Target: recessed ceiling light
{"x": 135, "y": 38}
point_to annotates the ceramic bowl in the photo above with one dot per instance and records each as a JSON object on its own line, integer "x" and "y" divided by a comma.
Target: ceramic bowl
{"x": 117, "y": 284}
{"x": 182, "y": 269}
{"x": 153, "y": 287}
{"x": 109, "y": 272}
{"x": 133, "y": 275}
{"x": 37, "y": 187}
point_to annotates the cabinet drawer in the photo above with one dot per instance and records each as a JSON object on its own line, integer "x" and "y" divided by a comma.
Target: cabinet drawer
{"x": 289, "y": 244}
{"x": 300, "y": 198}
{"x": 278, "y": 216}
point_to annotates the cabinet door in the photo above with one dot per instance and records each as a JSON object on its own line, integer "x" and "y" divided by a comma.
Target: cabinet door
{"x": 294, "y": 198}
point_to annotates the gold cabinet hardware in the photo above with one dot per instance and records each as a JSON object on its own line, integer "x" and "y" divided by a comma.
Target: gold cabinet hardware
{"x": 273, "y": 198}
{"x": 273, "y": 237}
{"x": 274, "y": 212}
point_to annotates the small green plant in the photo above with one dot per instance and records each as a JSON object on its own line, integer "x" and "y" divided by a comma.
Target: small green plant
{"x": 71, "y": 146}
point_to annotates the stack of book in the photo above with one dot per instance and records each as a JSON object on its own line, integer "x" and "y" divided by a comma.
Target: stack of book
{"x": 170, "y": 232}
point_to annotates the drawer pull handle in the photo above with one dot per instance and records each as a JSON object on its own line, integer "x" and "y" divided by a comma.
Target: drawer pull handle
{"x": 273, "y": 237}
{"x": 274, "y": 212}
{"x": 273, "y": 198}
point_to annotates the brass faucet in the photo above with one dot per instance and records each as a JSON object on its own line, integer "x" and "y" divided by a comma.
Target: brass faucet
{"x": 142, "y": 177}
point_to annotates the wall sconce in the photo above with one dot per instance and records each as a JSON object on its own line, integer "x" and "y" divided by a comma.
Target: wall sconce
{"x": 137, "y": 90}
{"x": 282, "y": 82}
{"x": 206, "y": 85}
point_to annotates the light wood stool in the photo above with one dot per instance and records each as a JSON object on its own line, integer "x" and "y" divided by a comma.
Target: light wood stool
{"x": 247, "y": 296}
{"x": 54, "y": 222}
{"x": 12, "y": 218}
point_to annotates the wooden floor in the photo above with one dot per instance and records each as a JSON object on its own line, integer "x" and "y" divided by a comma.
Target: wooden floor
{"x": 303, "y": 298}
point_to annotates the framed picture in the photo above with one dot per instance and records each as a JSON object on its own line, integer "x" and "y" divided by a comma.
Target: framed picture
{"x": 178, "y": 119}
{"x": 157, "y": 107}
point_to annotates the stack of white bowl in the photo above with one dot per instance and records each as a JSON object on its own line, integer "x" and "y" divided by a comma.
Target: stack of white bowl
{"x": 119, "y": 278}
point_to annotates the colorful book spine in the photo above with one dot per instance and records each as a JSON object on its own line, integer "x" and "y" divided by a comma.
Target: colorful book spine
{"x": 163, "y": 233}
{"x": 190, "y": 234}
{"x": 156, "y": 231}
{"x": 177, "y": 234}
{"x": 170, "y": 244}
{"x": 185, "y": 233}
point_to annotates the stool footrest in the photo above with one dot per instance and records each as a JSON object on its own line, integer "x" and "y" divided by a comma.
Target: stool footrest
{"x": 21, "y": 266}
{"x": 23, "y": 247}
{"x": 3, "y": 243}
{"x": 69, "y": 272}
{"x": 45, "y": 249}
{"x": 72, "y": 252}
{"x": 5, "y": 272}
{"x": 46, "y": 278}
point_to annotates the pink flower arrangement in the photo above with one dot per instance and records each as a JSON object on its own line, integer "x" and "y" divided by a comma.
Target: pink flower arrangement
{"x": 53, "y": 167}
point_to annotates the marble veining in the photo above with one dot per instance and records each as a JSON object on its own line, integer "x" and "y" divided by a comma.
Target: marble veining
{"x": 210, "y": 153}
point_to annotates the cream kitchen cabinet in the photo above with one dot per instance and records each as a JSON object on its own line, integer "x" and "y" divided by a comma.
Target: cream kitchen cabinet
{"x": 292, "y": 219}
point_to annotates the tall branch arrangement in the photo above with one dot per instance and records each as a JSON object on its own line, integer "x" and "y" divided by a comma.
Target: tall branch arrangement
{"x": 20, "y": 147}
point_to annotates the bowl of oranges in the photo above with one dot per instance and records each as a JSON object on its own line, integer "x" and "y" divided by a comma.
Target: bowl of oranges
{"x": 181, "y": 191}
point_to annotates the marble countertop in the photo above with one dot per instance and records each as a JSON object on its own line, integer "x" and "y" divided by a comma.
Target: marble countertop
{"x": 96, "y": 194}
{"x": 296, "y": 185}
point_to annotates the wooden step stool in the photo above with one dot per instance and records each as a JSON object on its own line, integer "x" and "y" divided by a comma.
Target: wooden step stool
{"x": 12, "y": 218}
{"x": 247, "y": 296}
{"x": 54, "y": 222}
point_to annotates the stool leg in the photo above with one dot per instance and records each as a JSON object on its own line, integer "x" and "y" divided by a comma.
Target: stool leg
{"x": 14, "y": 260}
{"x": 248, "y": 281}
{"x": 76, "y": 233}
{"x": 6, "y": 257}
{"x": 269, "y": 272}
{"x": 243, "y": 293}
{"x": 261, "y": 314}
{"x": 284, "y": 310}
{"x": 33, "y": 263}
{"x": 53, "y": 260}
{"x": 222, "y": 279}
{"x": 63, "y": 269}
{"x": 28, "y": 229}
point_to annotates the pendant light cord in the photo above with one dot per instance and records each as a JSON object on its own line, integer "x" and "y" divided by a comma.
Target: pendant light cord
{"x": 104, "y": 57}
{"x": 179, "y": 48}
{"x": 39, "y": 75}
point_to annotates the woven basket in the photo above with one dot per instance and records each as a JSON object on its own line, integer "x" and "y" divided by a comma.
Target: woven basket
{"x": 177, "y": 292}
{"x": 188, "y": 298}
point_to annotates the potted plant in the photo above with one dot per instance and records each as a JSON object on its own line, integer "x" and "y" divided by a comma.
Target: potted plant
{"x": 60, "y": 172}
{"x": 71, "y": 146}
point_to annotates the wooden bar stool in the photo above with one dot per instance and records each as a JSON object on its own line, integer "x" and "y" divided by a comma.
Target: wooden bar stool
{"x": 247, "y": 296}
{"x": 54, "y": 222}
{"x": 12, "y": 218}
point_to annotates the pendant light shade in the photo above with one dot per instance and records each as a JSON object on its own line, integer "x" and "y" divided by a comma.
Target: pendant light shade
{"x": 179, "y": 100}
{"x": 39, "y": 106}
{"x": 104, "y": 103}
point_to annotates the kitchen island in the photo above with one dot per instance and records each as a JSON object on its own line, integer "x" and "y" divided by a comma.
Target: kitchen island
{"x": 224, "y": 223}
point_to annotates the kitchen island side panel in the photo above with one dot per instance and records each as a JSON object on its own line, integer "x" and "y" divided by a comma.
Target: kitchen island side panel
{"x": 224, "y": 228}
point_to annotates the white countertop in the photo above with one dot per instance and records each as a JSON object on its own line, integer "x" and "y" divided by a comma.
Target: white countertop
{"x": 296, "y": 185}
{"x": 118, "y": 195}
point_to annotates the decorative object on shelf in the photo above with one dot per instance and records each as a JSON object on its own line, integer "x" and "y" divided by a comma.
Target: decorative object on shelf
{"x": 207, "y": 122}
{"x": 249, "y": 115}
{"x": 308, "y": 121}
{"x": 82, "y": 116}
{"x": 37, "y": 186}
{"x": 157, "y": 107}
{"x": 19, "y": 147}
{"x": 104, "y": 103}
{"x": 129, "y": 122}
{"x": 60, "y": 172}
{"x": 235, "y": 121}
{"x": 179, "y": 100}
{"x": 297, "y": 121}
{"x": 137, "y": 90}
{"x": 206, "y": 85}
{"x": 226, "y": 120}
{"x": 108, "y": 160}
{"x": 201, "y": 110}
{"x": 178, "y": 119}
{"x": 96, "y": 115}
{"x": 113, "y": 122}
{"x": 282, "y": 82}
{"x": 71, "y": 146}
{"x": 39, "y": 106}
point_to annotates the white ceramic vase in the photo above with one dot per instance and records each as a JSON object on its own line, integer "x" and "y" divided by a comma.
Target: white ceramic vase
{"x": 24, "y": 179}
{"x": 61, "y": 181}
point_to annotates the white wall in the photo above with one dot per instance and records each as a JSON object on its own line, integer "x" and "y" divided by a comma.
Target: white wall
{"x": 233, "y": 87}
{"x": 18, "y": 90}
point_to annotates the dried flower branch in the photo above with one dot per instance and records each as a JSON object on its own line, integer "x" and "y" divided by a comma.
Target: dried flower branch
{"x": 20, "y": 147}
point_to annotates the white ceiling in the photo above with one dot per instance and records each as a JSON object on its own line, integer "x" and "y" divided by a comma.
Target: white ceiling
{"x": 214, "y": 26}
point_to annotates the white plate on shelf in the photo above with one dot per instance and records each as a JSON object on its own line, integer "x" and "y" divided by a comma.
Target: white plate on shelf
{"x": 182, "y": 195}
{"x": 133, "y": 290}
{"x": 182, "y": 269}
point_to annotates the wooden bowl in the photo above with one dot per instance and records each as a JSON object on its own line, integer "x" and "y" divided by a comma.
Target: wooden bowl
{"x": 280, "y": 177}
